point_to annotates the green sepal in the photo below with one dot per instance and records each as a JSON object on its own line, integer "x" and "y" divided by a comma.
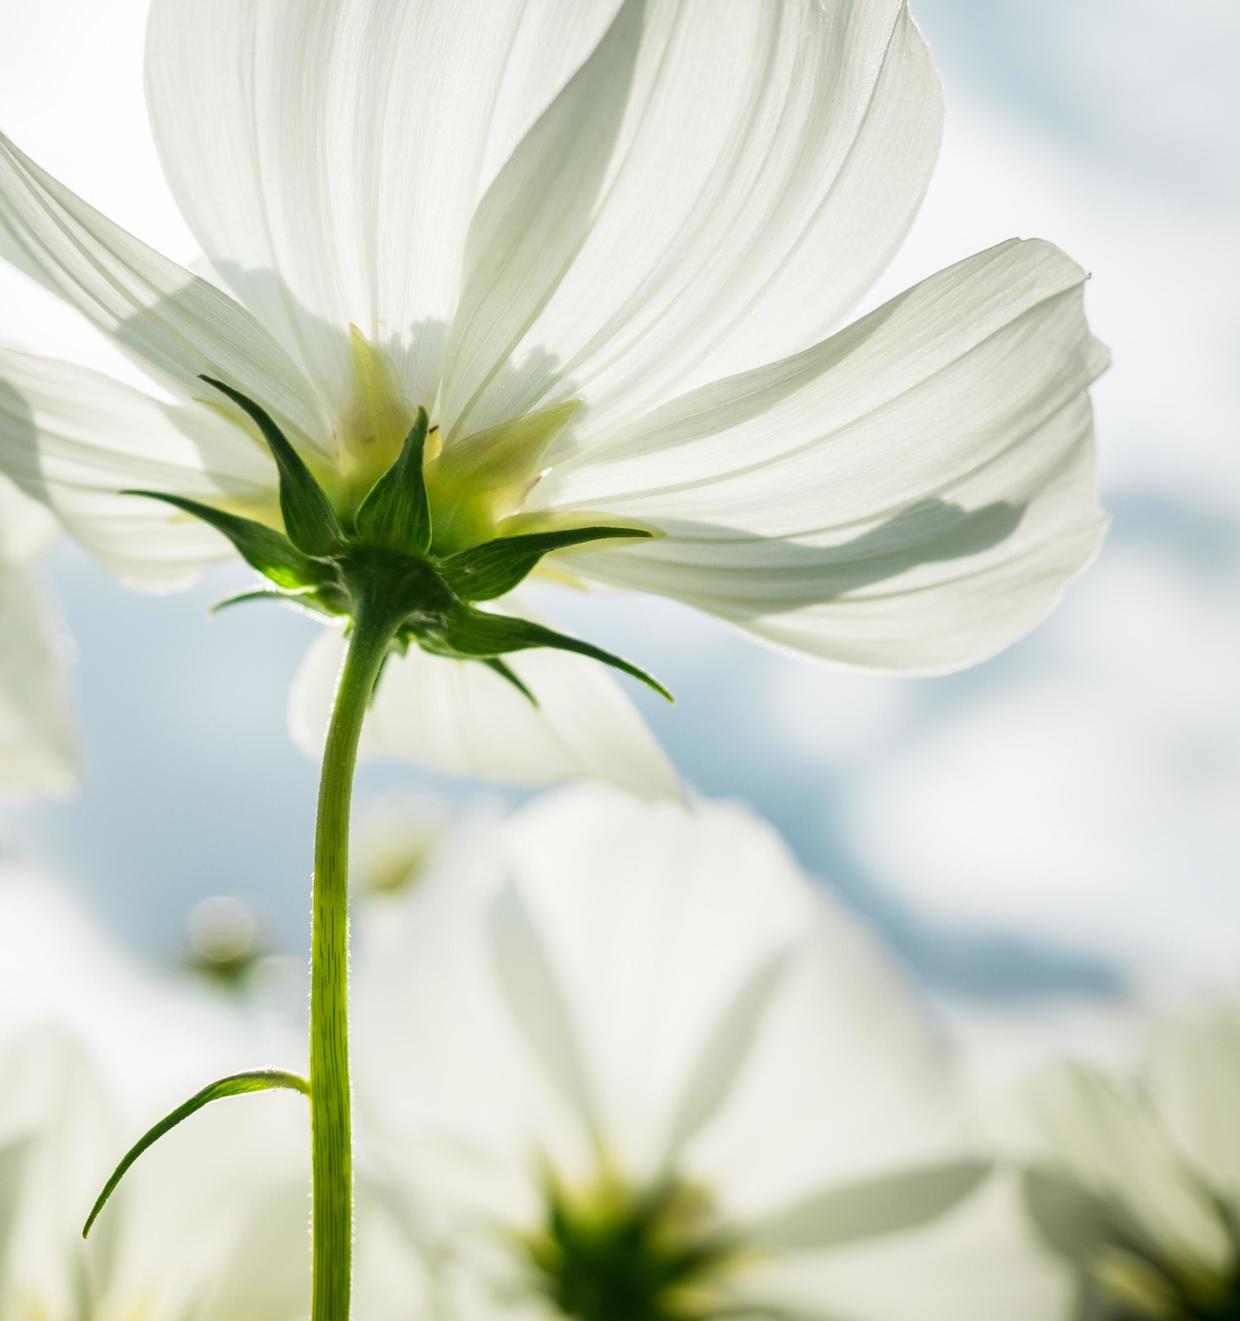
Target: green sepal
{"x": 237, "y": 1084}
{"x": 396, "y": 513}
{"x": 263, "y": 594}
{"x": 273, "y": 555}
{"x": 505, "y": 671}
{"x": 484, "y": 572}
{"x": 309, "y": 518}
{"x": 474, "y": 634}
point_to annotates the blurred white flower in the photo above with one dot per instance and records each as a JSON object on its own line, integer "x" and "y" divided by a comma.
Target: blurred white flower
{"x": 601, "y": 245}
{"x": 395, "y": 841}
{"x": 37, "y": 751}
{"x": 1157, "y": 1238}
{"x": 89, "y": 1044}
{"x": 634, "y": 1064}
{"x": 210, "y": 1224}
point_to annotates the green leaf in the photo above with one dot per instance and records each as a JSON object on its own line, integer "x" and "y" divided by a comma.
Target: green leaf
{"x": 474, "y": 634}
{"x": 507, "y": 672}
{"x": 484, "y": 572}
{"x": 272, "y": 554}
{"x": 396, "y": 513}
{"x": 238, "y": 1084}
{"x": 309, "y": 518}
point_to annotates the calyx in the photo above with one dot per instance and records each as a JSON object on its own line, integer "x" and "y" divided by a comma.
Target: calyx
{"x": 382, "y": 559}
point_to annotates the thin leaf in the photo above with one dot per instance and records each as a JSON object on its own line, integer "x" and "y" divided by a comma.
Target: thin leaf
{"x": 273, "y": 555}
{"x": 238, "y": 1084}
{"x": 308, "y": 515}
{"x": 474, "y": 633}
{"x": 397, "y": 513}
{"x": 484, "y": 572}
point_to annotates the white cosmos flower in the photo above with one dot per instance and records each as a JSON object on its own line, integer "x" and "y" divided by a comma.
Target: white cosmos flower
{"x": 37, "y": 751}
{"x": 602, "y": 245}
{"x": 635, "y": 1042}
{"x": 1158, "y": 1154}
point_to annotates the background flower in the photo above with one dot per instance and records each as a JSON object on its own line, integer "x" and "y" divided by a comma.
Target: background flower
{"x": 211, "y": 1222}
{"x": 706, "y": 1070}
{"x": 1141, "y": 1187}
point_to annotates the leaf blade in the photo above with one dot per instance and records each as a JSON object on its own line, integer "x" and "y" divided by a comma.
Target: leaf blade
{"x": 237, "y": 1084}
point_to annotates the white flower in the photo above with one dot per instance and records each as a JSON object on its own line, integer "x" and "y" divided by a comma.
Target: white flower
{"x": 601, "y": 245}
{"x": 37, "y": 751}
{"x": 634, "y": 1064}
{"x": 1158, "y": 1153}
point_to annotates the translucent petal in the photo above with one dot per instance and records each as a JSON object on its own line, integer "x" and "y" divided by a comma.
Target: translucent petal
{"x": 461, "y": 718}
{"x": 73, "y": 439}
{"x": 910, "y": 494}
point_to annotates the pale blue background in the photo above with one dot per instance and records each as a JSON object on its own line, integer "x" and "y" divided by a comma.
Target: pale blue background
{"x": 1059, "y": 821}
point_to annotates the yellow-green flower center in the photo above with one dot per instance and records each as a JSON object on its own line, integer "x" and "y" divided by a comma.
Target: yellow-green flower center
{"x": 1136, "y": 1287}
{"x": 613, "y": 1253}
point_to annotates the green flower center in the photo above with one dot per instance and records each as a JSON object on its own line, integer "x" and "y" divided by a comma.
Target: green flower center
{"x": 427, "y": 541}
{"x": 1140, "y": 1288}
{"x": 613, "y": 1254}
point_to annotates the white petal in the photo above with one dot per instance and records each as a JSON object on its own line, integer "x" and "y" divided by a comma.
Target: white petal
{"x": 890, "y": 1203}
{"x": 911, "y": 494}
{"x": 704, "y": 974}
{"x": 534, "y": 220}
{"x": 528, "y": 984}
{"x": 460, "y": 718}
{"x": 875, "y": 1090}
{"x": 1110, "y": 1141}
{"x": 73, "y": 439}
{"x": 37, "y": 747}
{"x": 979, "y": 1262}
{"x": 768, "y": 159}
{"x": 174, "y": 323}
{"x": 26, "y": 528}
{"x": 1193, "y": 1072}
{"x": 329, "y": 157}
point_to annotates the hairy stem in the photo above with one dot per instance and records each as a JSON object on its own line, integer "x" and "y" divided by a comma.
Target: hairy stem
{"x": 332, "y": 1146}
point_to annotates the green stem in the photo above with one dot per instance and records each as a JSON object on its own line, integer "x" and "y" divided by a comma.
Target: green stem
{"x": 332, "y": 1147}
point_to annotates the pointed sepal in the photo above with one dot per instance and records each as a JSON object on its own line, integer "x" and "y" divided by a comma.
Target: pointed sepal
{"x": 273, "y": 555}
{"x": 237, "y": 1084}
{"x": 485, "y": 572}
{"x": 509, "y": 675}
{"x": 309, "y": 518}
{"x": 396, "y": 514}
{"x": 476, "y": 634}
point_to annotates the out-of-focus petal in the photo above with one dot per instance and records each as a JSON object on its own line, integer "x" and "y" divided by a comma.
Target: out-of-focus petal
{"x": 1193, "y": 1073}
{"x": 1111, "y": 1143}
{"x": 911, "y": 494}
{"x": 980, "y": 1261}
{"x": 461, "y": 718}
{"x": 74, "y": 439}
{"x": 37, "y": 746}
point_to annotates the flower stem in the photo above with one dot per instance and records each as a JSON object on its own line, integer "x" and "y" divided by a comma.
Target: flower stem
{"x": 331, "y": 1127}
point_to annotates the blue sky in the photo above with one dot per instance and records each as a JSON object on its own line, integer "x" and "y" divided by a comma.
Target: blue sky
{"x": 1058, "y": 821}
